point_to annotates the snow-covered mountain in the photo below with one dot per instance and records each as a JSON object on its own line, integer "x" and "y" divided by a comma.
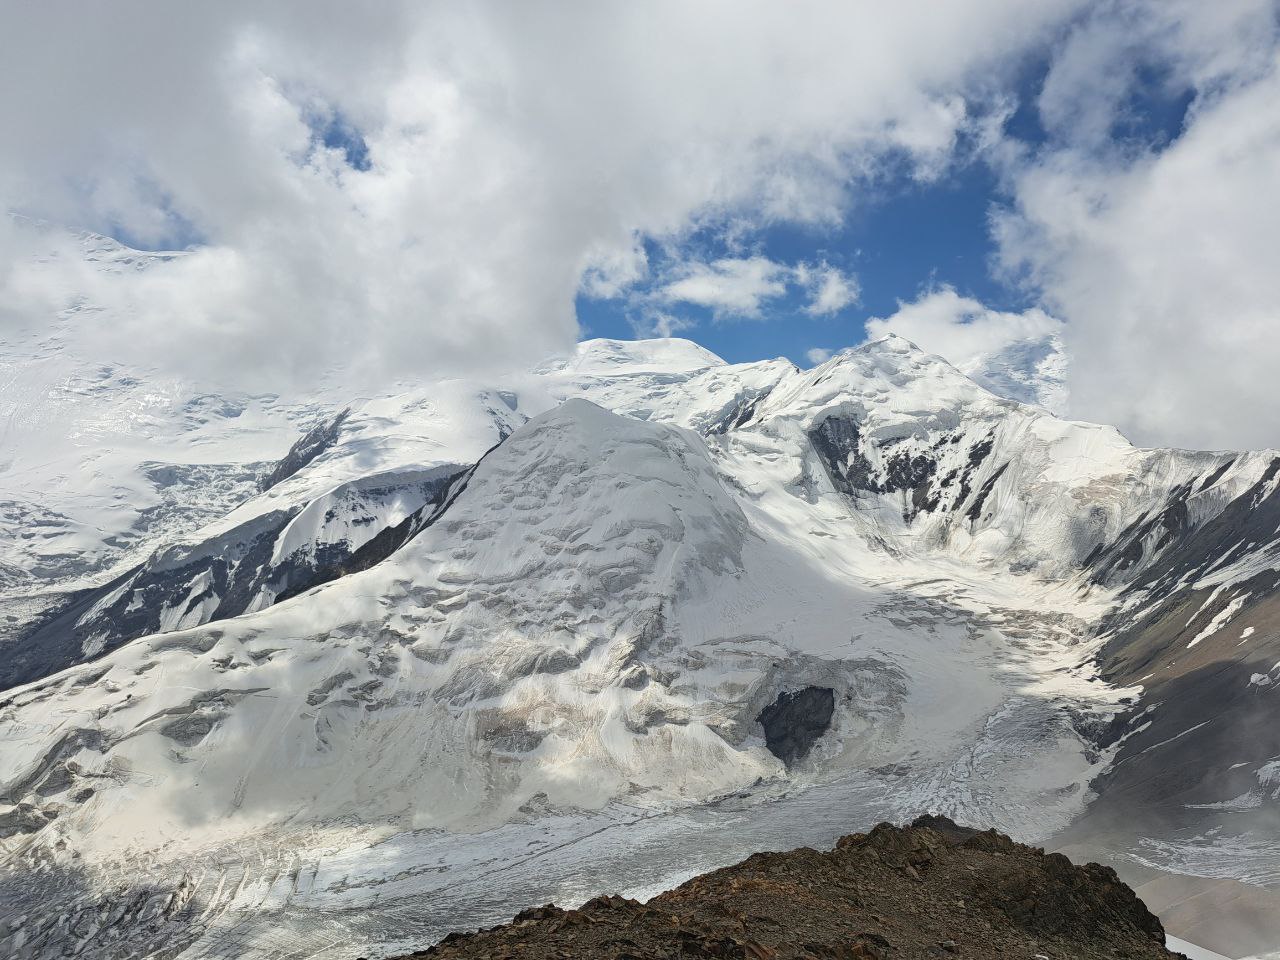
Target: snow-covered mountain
{"x": 638, "y": 594}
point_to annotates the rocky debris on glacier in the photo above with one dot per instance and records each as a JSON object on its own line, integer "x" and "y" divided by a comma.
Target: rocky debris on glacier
{"x": 925, "y": 891}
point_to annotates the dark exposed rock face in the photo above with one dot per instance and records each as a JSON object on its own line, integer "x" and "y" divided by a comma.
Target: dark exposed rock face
{"x": 313, "y": 443}
{"x": 837, "y": 442}
{"x": 929, "y": 890}
{"x": 795, "y": 721}
{"x": 974, "y": 512}
{"x": 738, "y": 413}
{"x": 338, "y": 560}
{"x": 844, "y": 453}
{"x": 1158, "y": 548}
{"x": 1185, "y": 647}
{"x": 1195, "y": 749}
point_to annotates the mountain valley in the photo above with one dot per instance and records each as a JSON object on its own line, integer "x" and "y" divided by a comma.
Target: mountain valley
{"x": 360, "y": 671}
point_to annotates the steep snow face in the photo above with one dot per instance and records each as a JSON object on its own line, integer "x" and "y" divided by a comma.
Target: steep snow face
{"x": 450, "y": 422}
{"x": 593, "y": 617}
{"x": 265, "y": 559}
{"x": 567, "y": 541}
{"x": 933, "y": 463}
{"x": 507, "y": 644}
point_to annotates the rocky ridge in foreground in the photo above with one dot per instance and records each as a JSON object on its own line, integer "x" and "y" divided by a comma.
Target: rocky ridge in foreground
{"x": 928, "y": 890}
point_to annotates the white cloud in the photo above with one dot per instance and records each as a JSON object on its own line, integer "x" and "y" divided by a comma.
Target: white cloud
{"x": 517, "y": 153}
{"x": 608, "y": 272}
{"x": 729, "y": 287}
{"x": 817, "y": 355}
{"x": 961, "y": 329}
{"x": 511, "y": 170}
{"x": 740, "y": 287}
{"x": 1162, "y": 261}
{"x": 830, "y": 289}
{"x": 660, "y": 324}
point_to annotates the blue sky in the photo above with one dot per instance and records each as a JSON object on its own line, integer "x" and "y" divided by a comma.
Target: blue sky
{"x": 902, "y": 238}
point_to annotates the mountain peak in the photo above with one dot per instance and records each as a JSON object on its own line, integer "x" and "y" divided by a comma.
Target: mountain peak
{"x": 899, "y": 362}
{"x": 607, "y": 357}
{"x": 891, "y": 343}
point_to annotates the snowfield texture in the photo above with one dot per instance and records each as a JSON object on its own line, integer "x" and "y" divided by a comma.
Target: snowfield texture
{"x": 349, "y": 674}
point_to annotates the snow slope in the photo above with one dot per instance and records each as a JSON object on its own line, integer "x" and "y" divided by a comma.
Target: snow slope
{"x": 459, "y": 621}
{"x": 594, "y": 619}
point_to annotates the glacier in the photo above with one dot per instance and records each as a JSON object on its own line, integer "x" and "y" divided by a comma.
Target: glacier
{"x": 333, "y": 678}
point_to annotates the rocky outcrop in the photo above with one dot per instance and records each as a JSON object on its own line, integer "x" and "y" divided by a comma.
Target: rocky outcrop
{"x": 928, "y": 890}
{"x": 795, "y": 721}
{"x": 309, "y": 446}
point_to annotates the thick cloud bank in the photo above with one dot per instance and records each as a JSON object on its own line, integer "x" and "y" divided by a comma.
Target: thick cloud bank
{"x": 412, "y": 187}
{"x": 426, "y": 188}
{"x": 1161, "y": 257}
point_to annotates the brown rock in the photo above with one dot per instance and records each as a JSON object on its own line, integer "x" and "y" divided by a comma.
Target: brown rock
{"x": 927, "y": 888}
